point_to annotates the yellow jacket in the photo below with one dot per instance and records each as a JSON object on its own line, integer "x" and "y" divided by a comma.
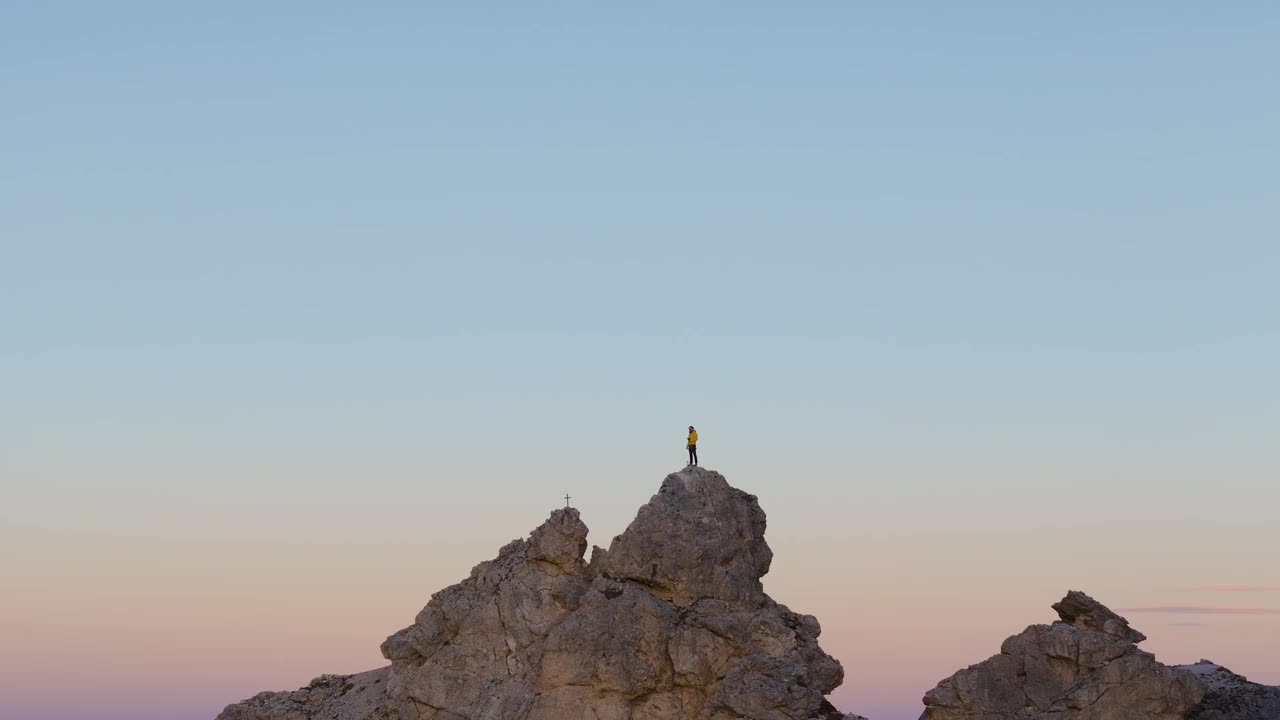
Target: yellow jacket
{"x": 693, "y": 438}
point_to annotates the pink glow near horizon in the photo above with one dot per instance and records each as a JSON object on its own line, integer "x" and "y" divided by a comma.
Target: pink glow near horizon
{"x": 1203, "y": 610}
{"x": 193, "y": 624}
{"x": 1233, "y": 588}
{"x": 200, "y": 608}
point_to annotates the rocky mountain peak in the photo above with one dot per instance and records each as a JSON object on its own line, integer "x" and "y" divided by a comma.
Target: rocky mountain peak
{"x": 697, "y": 539}
{"x": 670, "y": 623}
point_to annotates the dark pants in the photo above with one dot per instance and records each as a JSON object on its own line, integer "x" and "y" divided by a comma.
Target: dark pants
{"x": 693, "y": 454}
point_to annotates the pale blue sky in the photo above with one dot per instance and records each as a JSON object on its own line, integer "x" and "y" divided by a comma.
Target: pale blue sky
{"x": 701, "y": 202}
{"x": 274, "y": 262}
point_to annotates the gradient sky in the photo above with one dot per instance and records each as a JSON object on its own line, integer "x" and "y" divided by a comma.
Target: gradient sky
{"x": 306, "y": 308}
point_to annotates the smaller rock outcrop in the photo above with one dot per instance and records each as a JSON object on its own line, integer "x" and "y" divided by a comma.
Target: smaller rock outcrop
{"x": 1229, "y": 696}
{"x": 1086, "y": 666}
{"x": 351, "y": 697}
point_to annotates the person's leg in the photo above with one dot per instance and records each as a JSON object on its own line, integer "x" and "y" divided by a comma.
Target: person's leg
{"x": 694, "y": 452}
{"x": 690, "y": 449}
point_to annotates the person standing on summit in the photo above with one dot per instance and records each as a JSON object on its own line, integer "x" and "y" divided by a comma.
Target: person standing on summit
{"x": 692, "y": 445}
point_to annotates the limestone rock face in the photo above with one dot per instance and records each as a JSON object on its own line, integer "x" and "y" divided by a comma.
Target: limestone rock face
{"x": 1229, "y": 696}
{"x": 697, "y": 539}
{"x": 1085, "y": 667}
{"x": 671, "y": 623}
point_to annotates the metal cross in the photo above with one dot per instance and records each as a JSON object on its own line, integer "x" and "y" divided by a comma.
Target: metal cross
{"x": 566, "y": 500}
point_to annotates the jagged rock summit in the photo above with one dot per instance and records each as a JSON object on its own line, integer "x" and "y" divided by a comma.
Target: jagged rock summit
{"x": 670, "y": 623}
{"x": 1084, "y": 612}
{"x": 1086, "y": 666}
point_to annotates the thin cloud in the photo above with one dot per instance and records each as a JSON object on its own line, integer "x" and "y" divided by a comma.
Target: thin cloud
{"x": 1186, "y": 624}
{"x": 1202, "y": 610}
{"x": 1232, "y": 588}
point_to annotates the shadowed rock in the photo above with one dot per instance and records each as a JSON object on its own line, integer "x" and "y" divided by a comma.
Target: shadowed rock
{"x": 352, "y": 697}
{"x": 1229, "y": 696}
